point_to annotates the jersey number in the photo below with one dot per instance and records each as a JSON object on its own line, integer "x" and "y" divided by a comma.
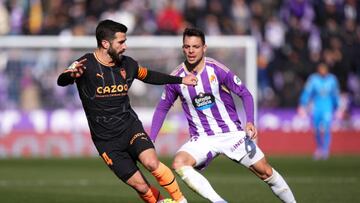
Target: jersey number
{"x": 107, "y": 159}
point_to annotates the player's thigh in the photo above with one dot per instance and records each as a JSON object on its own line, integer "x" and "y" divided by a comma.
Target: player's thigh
{"x": 252, "y": 152}
{"x": 117, "y": 159}
{"x": 318, "y": 118}
{"x": 237, "y": 147}
{"x": 198, "y": 148}
{"x": 327, "y": 119}
{"x": 139, "y": 140}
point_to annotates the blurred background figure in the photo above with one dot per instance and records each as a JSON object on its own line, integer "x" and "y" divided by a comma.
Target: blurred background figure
{"x": 322, "y": 91}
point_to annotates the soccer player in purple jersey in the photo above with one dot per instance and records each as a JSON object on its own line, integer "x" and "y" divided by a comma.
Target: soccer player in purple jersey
{"x": 214, "y": 124}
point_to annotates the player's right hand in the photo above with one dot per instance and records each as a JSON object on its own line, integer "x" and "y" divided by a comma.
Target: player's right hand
{"x": 251, "y": 130}
{"x": 190, "y": 79}
{"x": 77, "y": 68}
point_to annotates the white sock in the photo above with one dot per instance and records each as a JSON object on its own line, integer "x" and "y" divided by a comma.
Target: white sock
{"x": 198, "y": 183}
{"x": 280, "y": 188}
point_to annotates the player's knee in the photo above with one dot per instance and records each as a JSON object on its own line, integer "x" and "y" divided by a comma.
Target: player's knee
{"x": 262, "y": 169}
{"x": 182, "y": 159}
{"x": 267, "y": 173}
{"x": 178, "y": 163}
{"x": 151, "y": 164}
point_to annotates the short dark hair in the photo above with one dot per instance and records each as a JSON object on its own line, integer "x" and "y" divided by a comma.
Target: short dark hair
{"x": 106, "y": 30}
{"x": 194, "y": 32}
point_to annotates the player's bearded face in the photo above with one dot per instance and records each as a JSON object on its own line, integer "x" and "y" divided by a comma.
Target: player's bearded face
{"x": 116, "y": 56}
{"x": 117, "y": 46}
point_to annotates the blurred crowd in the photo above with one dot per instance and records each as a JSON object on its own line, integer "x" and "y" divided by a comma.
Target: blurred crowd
{"x": 292, "y": 35}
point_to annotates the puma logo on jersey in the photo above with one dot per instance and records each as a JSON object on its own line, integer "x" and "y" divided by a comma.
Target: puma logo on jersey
{"x": 100, "y": 75}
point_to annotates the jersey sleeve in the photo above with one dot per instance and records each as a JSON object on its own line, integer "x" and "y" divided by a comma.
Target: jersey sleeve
{"x": 156, "y": 78}
{"x": 65, "y": 79}
{"x": 167, "y": 100}
{"x": 233, "y": 82}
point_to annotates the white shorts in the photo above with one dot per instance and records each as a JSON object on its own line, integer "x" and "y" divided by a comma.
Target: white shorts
{"x": 235, "y": 145}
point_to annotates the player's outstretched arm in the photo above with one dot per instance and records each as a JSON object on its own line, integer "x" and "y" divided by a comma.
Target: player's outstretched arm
{"x": 158, "y": 78}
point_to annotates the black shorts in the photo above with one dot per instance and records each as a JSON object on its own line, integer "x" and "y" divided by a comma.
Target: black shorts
{"x": 121, "y": 152}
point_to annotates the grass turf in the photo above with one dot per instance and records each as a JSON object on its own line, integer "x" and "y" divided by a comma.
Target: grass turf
{"x": 78, "y": 180}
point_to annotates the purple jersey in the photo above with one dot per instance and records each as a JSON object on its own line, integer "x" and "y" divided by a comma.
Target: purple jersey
{"x": 208, "y": 106}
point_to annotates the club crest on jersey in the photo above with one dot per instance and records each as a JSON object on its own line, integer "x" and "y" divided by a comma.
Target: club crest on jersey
{"x": 123, "y": 73}
{"x": 203, "y": 101}
{"x": 212, "y": 79}
{"x": 237, "y": 80}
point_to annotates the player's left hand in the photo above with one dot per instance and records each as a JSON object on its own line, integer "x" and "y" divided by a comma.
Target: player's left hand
{"x": 250, "y": 130}
{"x": 189, "y": 79}
{"x": 77, "y": 68}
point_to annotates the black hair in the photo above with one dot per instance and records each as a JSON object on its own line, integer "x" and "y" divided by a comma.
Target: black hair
{"x": 194, "y": 32}
{"x": 106, "y": 30}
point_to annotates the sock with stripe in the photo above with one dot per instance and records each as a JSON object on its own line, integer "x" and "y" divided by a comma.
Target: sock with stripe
{"x": 152, "y": 195}
{"x": 166, "y": 179}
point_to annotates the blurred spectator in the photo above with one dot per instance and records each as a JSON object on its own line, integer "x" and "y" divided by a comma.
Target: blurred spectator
{"x": 194, "y": 12}
{"x": 275, "y": 32}
{"x": 35, "y": 17}
{"x": 212, "y": 26}
{"x": 30, "y": 98}
{"x": 123, "y": 13}
{"x": 17, "y": 12}
{"x": 169, "y": 20}
{"x": 4, "y": 19}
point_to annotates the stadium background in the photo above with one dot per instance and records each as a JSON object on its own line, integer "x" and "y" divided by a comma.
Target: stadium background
{"x": 46, "y": 154}
{"x": 39, "y": 119}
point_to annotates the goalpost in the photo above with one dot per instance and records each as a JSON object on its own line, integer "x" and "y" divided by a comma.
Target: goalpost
{"x": 47, "y": 55}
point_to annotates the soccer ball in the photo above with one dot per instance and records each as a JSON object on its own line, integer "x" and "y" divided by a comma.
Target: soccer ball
{"x": 167, "y": 200}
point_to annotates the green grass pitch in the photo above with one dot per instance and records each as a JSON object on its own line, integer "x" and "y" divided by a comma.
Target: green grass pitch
{"x": 77, "y": 180}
